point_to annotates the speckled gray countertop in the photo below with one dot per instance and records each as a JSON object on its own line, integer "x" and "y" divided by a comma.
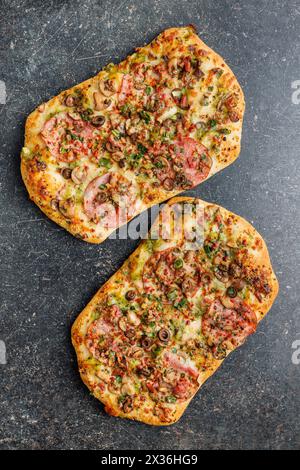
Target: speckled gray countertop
{"x": 47, "y": 276}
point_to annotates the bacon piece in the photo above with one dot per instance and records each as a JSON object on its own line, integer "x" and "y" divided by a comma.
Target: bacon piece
{"x": 55, "y": 131}
{"x": 178, "y": 363}
{"x": 230, "y": 325}
{"x": 93, "y": 207}
{"x": 195, "y": 158}
{"x": 126, "y": 88}
{"x": 183, "y": 389}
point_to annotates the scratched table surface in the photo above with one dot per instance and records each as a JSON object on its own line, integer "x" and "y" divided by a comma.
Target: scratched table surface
{"x": 47, "y": 276}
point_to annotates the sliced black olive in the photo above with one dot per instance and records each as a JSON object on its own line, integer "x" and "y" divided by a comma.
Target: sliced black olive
{"x": 101, "y": 197}
{"x": 66, "y": 173}
{"x": 98, "y": 121}
{"x": 231, "y": 292}
{"x": 146, "y": 342}
{"x": 164, "y": 335}
{"x": 127, "y": 405}
{"x": 130, "y": 295}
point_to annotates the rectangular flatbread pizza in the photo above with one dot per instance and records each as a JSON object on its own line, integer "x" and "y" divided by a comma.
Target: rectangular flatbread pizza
{"x": 160, "y": 122}
{"x": 188, "y": 296}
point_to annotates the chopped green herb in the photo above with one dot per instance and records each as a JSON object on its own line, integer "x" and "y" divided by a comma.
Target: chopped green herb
{"x": 225, "y": 131}
{"x": 117, "y": 134}
{"x": 172, "y": 295}
{"x": 208, "y": 249}
{"x": 141, "y": 148}
{"x": 181, "y": 304}
{"x": 178, "y": 263}
{"x": 148, "y": 90}
{"x": 157, "y": 350}
{"x": 145, "y": 116}
{"x": 105, "y": 162}
{"x": 171, "y": 399}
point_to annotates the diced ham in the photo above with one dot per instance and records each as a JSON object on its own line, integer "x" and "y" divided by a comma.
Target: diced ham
{"x": 112, "y": 206}
{"x": 94, "y": 208}
{"x": 54, "y": 134}
{"x": 183, "y": 389}
{"x": 126, "y": 88}
{"x": 195, "y": 159}
{"x": 178, "y": 363}
{"x": 231, "y": 325}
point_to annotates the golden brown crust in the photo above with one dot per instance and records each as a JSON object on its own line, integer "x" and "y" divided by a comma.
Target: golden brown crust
{"x": 79, "y": 329}
{"x": 39, "y": 169}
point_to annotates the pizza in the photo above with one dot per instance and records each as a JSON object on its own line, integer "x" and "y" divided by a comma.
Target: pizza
{"x": 160, "y": 122}
{"x": 191, "y": 293}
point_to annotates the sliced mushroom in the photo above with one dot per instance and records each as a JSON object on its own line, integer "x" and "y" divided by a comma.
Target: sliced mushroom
{"x": 127, "y": 387}
{"x": 131, "y": 126}
{"x": 222, "y": 274}
{"x": 176, "y": 94}
{"x": 164, "y": 335}
{"x": 75, "y": 116}
{"x": 110, "y": 147}
{"x": 107, "y": 87}
{"x": 54, "y": 204}
{"x": 79, "y": 174}
{"x": 122, "y": 324}
{"x": 133, "y": 318}
{"x": 71, "y": 101}
{"x": 67, "y": 208}
{"x": 101, "y": 102}
{"x": 117, "y": 156}
{"x": 136, "y": 352}
{"x": 168, "y": 184}
{"x": 127, "y": 405}
{"x": 66, "y": 173}
{"x": 98, "y": 121}
{"x": 235, "y": 270}
{"x": 173, "y": 66}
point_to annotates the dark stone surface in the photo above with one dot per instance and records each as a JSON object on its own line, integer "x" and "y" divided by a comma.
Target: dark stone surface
{"x": 47, "y": 276}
